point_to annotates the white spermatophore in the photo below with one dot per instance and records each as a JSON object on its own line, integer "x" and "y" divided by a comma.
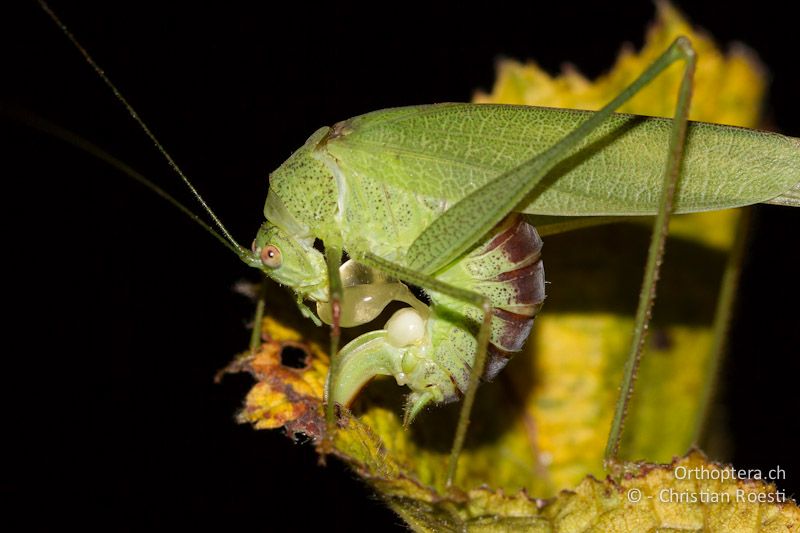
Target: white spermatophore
{"x": 406, "y": 327}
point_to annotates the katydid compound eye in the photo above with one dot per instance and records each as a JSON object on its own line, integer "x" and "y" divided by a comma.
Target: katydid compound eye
{"x": 271, "y": 256}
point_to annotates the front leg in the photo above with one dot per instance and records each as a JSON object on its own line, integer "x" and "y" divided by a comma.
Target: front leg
{"x": 333, "y": 259}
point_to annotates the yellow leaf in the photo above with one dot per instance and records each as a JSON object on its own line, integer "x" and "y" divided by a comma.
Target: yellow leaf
{"x": 689, "y": 494}
{"x": 284, "y": 396}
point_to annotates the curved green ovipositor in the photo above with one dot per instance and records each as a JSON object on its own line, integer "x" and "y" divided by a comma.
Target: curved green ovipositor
{"x": 361, "y": 360}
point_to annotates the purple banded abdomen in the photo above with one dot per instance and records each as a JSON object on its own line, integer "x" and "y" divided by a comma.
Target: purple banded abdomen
{"x": 508, "y": 269}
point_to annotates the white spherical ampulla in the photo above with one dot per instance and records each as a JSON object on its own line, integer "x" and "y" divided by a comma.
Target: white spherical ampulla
{"x": 406, "y": 327}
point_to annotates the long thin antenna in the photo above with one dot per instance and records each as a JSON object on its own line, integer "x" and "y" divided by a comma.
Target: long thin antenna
{"x": 89, "y": 147}
{"x": 239, "y": 249}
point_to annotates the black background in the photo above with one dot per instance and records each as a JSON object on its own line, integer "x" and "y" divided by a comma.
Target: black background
{"x": 126, "y": 308}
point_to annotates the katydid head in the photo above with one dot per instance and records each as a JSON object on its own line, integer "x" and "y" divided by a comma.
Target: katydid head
{"x": 284, "y": 246}
{"x": 291, "y": 260}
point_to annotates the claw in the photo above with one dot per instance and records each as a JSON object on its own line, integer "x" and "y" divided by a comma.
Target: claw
{"x": 416, "y": 402}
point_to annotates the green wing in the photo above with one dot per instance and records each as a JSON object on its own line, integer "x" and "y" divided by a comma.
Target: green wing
{"x": 446, "y": 151}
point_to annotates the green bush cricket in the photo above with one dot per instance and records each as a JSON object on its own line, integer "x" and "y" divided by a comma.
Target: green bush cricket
{"x": 419, "y": 264}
